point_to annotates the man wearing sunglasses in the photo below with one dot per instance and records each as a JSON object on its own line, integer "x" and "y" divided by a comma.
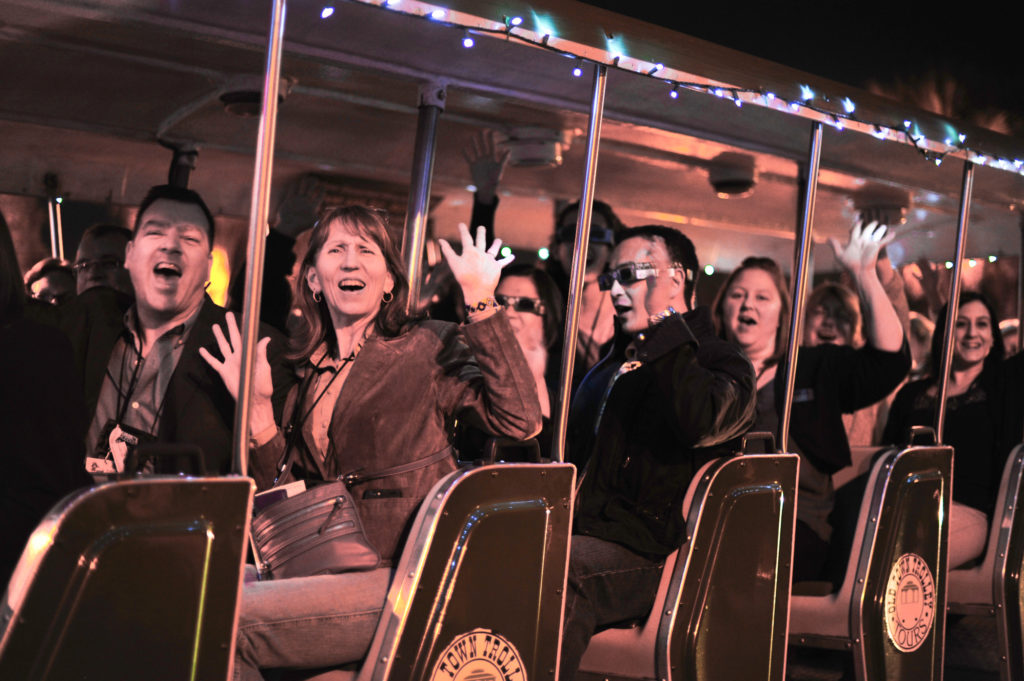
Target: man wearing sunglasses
{"x": 669, "y": 397}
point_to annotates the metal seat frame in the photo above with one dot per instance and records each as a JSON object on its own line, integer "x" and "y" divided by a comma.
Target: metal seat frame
{"x": 904, "y": 510}
{"x": 721, "y": 587}
{"x": 993, "y": 587}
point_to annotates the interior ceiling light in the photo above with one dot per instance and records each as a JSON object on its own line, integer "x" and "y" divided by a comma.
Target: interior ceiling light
{"x": 732, "y": 175}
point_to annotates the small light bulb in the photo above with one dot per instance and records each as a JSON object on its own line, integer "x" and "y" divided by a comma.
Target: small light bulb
{"x": 739, "y": 102}
{"x": 806, "y": 93}
{"x": 770, "y": 96}
{"x": 719, "y": 92}
{"x": 949, "y": 265}
{"x": 505, "y": 251}
{"x": 674, "y": 93}
{"x": 516, "y": 21}
{"x": 992, "y": 258}
{"x": 906, "y": 124}
{"x": 543, "y": 253}
{"x": 467, "y": 41}
{"x": 709, "y": 269}
{"x": 655, "y": 69}
{"x": 962, "y": 137}
{"x": 577, "y": 69}
{"x": 59, "y": 199}
{"x": 938, "y": 161}
{"x": 879, "y": 133}
{"x": 471, "y": 188}
{"x": 437, "y": 14}
{"x": 326, "y": 12}
{"x": 848, "y": 105}
{"x": 972, "y": 263}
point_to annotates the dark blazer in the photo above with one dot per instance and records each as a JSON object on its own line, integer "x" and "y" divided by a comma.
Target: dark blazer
{"x": 198, "y": 409}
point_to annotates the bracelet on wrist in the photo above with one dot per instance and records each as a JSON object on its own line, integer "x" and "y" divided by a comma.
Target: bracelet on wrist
{"x": 488, "y": 303}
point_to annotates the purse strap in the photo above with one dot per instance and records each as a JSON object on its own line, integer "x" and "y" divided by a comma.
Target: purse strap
{"x": 356, "y": 477}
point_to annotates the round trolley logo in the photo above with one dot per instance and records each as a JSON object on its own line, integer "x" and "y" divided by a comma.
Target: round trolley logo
{"x": 909, "y": 602}
{"x": 479, "y": 655}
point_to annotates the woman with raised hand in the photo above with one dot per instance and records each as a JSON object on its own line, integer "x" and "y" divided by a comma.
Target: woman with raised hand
{"x": 753, "y": 309}
{"x": 379, "y": 390}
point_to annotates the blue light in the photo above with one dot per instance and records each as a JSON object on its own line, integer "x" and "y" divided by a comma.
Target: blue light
{"x": 879, "y": 133}
{"x": 437, "y": 14}
{"x": 467, "y": 41}
{"x": 770, "y": 96}
{"x": 326, "y": 12}
{"x": 577, "y": 71}
{"x": 906, "y": 124}
{"x": 962, "y": 137}
{"x": 516, "y": 21}
{"x": 674, "y": 93}
{"x": 806, "y": 93}
{"x": 848, "y": 105}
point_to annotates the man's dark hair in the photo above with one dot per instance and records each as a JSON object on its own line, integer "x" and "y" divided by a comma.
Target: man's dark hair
{"x": 680, "y": 250}
{"x": 105, "y": 229}
{"x": 179, "y": 194}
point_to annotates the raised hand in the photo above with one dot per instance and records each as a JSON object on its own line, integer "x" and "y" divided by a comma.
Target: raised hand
{"x": 860, "y": 253}
{"x": 486, "y": 165}
{"x": 477, "y": 269}
{"x": 230, "y": 368}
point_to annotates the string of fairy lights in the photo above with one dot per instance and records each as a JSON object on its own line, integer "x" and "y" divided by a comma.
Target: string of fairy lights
{"x": 838, "y": 112}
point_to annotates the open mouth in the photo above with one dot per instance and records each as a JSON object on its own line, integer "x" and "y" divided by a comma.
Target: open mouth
{"x": 167, "y": 269}
{"x": 746, "y": 320}
{"x": 351, "y": 285}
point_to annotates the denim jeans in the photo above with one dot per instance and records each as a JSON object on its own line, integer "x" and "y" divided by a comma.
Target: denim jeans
{"x": 608, "y": 584}
{"x": 308, "y": 622}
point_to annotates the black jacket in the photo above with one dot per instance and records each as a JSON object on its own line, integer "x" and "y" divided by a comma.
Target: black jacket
{"x": 688, "y": 400}
{"x": 197, "y": 408}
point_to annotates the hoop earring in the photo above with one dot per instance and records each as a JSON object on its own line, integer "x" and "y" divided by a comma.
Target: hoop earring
{"x": 388, "y": 297}
{"x": 317, "y": 297}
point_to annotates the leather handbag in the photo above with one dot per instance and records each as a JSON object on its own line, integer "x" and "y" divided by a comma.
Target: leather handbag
{"x": 315, "y": 532}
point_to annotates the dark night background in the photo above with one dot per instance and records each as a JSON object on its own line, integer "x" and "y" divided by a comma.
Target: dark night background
{"x": 978, "y": 44}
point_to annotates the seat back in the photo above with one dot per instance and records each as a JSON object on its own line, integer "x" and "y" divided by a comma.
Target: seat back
{"x": 734, "y": 584}
{"x": 128, "y": 580}
{"x": 890, "y": 608}
{"x": 993, "y": 586}
{"x": 479, "y": 589}
{"x": 728, "y": 583}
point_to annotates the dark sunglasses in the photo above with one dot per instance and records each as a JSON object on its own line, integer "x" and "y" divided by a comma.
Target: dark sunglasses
{"x": 521, "y": 304}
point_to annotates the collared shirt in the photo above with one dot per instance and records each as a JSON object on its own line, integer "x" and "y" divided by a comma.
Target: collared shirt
{"x": 134, "y": 387}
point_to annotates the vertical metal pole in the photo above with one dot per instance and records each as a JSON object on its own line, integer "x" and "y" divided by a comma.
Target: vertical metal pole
{"x": 1020, "y": 288}
{"x": 953, "y": 305}
{"x": 51, "y": 209}
{"x": 579, "y": 260}
{"x": 432, "y": 96}
{"x": 800, "y": 276}
{"x": 259, "y": 210}
{"x": 60, "y": 226}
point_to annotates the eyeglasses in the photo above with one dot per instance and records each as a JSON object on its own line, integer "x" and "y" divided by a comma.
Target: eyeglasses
{"x": 627, "y": 274}
{"x": 106, "y": 264}
{"x": 521, "y": 304}
{"x": 632, "y": 272}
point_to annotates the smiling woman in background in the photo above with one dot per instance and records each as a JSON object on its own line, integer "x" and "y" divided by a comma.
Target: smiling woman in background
{"x": 973, "y": 421}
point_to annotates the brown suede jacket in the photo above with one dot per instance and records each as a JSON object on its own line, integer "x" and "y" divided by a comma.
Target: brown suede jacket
{"x": 397, "y": 405}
